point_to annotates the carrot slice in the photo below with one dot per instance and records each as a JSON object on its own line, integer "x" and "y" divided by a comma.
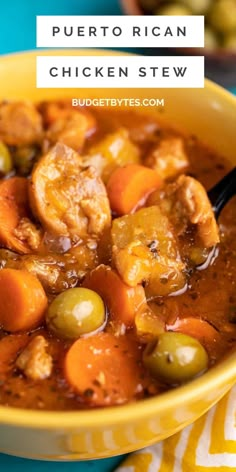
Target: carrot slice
{"x": 104, "y": 369}
{"x": 22, "y": 300}
{"x": 195, "y": 327}
{"x": 13, "y": 207}
{"x": 123, "y": 301}
{"x": 130, "y": 185}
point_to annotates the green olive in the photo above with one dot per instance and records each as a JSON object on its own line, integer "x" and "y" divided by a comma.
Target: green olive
{"x": 223, "y": 16}
{"x": 24, "y": 159}
{"x": 198, "y": 255}
{"x": 76, "y": 312}
{"x": 197, "y": 7}
{"x": 175, "y": 357}
{"x": 211, "y": 39}
{"x": 173, "y": 10}
{"x": 229, "y": 42}
{"x": 5, "y": 159}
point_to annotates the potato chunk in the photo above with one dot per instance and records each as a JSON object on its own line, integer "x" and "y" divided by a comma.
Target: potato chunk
{"x": 133, "y": 262}
{"x": 67, "y": 198}
{"x": 20, "y": 124}
{"x": 145, "y": 250}
{"x": 115, "y": 150}
{"x": 34, "y": 360}
{"x": 168, "y": 157}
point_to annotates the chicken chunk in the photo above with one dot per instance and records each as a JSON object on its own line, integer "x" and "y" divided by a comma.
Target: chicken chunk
{"x": 20, "y": 124}
{"x": 27, "y": 232}
{"x": 169, "y": 157}
{"x": 145, "y": 250}
{"x": 197, "y": 207}
{"x": 56, "y": 272}
{"x": 185, "y": 202}
{"x": 71, "y": 128}
{"x": 67, "y": 198}
{"x": 34, "y": 361}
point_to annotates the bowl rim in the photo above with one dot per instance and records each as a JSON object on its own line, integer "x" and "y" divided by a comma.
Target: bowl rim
{"x": 218, "y": 376}
{"x": 221, "y": 376}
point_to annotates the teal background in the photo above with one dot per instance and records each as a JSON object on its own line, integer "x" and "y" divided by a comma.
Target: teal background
{"x": 18, "y": 30}
{"x": 18, "y": 33}
{"x": 8, "y": 463}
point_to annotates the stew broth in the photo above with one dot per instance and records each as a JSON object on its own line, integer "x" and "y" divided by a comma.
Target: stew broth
{"x": 210, "y": 294}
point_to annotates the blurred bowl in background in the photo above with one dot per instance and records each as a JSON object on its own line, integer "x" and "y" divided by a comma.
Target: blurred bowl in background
{"x": 220, "y": 64}
{"x": 131, "y": 7}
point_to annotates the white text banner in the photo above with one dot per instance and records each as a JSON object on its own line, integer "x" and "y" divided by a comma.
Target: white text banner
{"x": 120, "y": 31}
{"x": 120, "y": 72}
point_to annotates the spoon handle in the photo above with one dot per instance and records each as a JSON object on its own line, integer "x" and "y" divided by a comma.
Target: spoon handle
{"x": 221, "y": 193}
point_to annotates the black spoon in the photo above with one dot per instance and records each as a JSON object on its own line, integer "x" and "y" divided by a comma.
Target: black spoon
{"x": 221, "y": 193}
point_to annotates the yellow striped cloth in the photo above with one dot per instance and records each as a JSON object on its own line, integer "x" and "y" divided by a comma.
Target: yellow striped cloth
{"x": 209, "y": 444}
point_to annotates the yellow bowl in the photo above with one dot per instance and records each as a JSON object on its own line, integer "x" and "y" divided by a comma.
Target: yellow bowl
{"x": 210, "y": 114}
